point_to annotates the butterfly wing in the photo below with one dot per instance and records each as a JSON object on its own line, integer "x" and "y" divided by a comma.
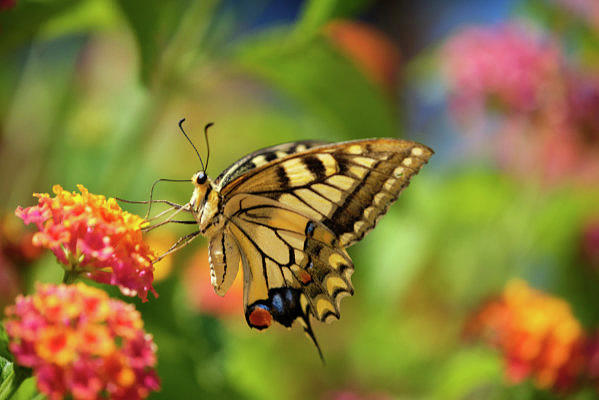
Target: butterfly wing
{"x": 291, "y": 218}
{"x": 260, "y": 158}
{"x": 346, "y": 186}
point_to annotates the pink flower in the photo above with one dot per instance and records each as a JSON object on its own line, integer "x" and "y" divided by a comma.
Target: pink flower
{"x": 90, "y": 234}
{"x": 74, "y": 340}
{"x": 509, "y": 66}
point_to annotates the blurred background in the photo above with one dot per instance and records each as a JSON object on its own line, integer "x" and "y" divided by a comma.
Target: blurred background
{"x": 480, "y": 283}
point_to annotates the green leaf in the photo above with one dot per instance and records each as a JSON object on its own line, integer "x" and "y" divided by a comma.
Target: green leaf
{"x": 322, "y": 81}
{"x": 165, "y": 32}
{"x": 316, "y": 13}
{"x": 11, "y": 377}
{"x": 22, "y": 22}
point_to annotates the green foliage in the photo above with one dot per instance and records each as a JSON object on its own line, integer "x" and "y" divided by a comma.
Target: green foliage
{"x": 11, "y": 375}
{"x": 92, "y": 92}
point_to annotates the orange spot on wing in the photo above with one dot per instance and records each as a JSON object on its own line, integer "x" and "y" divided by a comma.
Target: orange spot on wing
{"x": 260, "y": 318}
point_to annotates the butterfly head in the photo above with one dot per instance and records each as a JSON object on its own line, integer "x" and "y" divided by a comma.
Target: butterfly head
{"x": 204, "y": 201}
{"x": 202, "y": 187}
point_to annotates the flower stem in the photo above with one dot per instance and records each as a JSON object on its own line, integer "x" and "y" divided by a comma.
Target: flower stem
{"x": 69, "y": 277}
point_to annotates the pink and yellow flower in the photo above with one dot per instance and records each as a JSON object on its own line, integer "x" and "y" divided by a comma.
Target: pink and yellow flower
{"x": 81, "y": 343}
{"x": 510, "y": 66}
{"x": 91, "y": 235}
{"x": 537, "y": 334}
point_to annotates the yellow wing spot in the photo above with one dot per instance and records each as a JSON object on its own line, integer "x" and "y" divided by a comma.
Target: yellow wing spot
{"x": 359, "y": 172}
{"x": 335, "y": 260}
{"x": 322, "y": 306}
{"x": 347, "y": 237}
{"x": 317, "y": 202}
{"x": 341, "y": 181}
{"x": 417, "y": 151}
{"x": 354, "y": 149}
{"x": 330, "y": 193}
{"x": 347, "y": 274}
{"x": 368, "y": 212}
{"x": 334, "y": 282}
{"x": 364, "y": 161}
{"x": 398, "y": 172}
{"x": 407, "y": 162}
{"x": 297, "y": 172}
{"x": 330, "y": 165}
{"x": 300, "y": 147}
{"x": 389, "y": 184}
{"x": 304, "y": 303}
{"x": 381, "y": 198}
{"x": 358, "y": 225}
{"x": 259, "y": 160}
{"x": 280, "y": 154}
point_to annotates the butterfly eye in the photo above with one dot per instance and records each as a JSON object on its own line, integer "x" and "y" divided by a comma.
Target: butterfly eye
{"x": 201, "y": 178}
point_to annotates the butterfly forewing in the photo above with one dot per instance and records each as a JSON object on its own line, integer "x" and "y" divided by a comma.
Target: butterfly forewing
{"x": 346, "y": 186}
{"x": 262, "y": 157}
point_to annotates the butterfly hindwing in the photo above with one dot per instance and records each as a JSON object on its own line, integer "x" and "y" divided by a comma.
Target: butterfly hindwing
{"x": 282, "y": 248}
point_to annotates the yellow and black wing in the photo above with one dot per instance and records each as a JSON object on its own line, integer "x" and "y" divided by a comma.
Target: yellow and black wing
{"x": 346, "y": 186}
{"x": 290, "y": 216}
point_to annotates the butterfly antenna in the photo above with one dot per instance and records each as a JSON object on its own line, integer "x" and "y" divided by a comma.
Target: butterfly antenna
{"x": 190, "y": 142}
{"x": 150, "y": 202}
{"x": 208, "y": 125}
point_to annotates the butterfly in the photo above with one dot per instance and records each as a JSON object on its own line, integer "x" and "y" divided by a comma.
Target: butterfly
{"x": 287, "y": 213}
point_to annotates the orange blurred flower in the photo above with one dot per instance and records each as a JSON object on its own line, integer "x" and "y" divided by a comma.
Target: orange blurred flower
{"x": 160, "y": 241}
{"x": 537, "y": 334}
{"x": 91, "y": 235}
{"x": 81, "y": 343}
{"x": 202, "y": 296}
{"x": 372, "y": 51}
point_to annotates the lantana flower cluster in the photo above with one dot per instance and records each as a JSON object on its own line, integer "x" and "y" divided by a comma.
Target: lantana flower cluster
{"x": 81, "y": 343}
{"x": 511, "y": 67}
{"x": 92, "y": 235}
{"x": 536, "y": 106}
{"x": 537, "y": 334}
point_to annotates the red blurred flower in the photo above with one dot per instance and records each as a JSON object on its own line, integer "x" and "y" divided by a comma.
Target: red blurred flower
{"x": 537, "y": 334}
{"x": 201, "y": 293}
{"x": 91, "y": 234}
{"x": 6, "y": 4}
{"x": 372, "y": 51}
{"x": 81, "y": 343}
{"x": 511, "y": 67}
